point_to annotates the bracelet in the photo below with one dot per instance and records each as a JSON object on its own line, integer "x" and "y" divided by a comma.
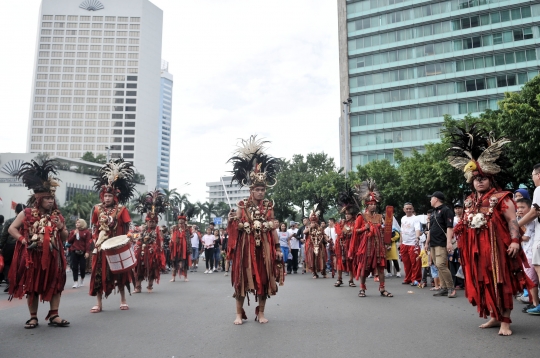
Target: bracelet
{"x": 515, "y": 241}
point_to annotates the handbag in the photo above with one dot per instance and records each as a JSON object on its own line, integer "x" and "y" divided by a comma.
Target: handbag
{"x": 459, "y": 273}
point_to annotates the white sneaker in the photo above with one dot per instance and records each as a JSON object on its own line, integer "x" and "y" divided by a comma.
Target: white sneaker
{"x": 398, "y": 274}
{"x": 210, "y": 271}
{"x": 226, "y": 274}
{"x": 206, "y": 271}
{"x": 75, "y": 285}
{"x": 370, "y": 276}
{"x": 81, "y": 282}
{"x": 388, "y": 275}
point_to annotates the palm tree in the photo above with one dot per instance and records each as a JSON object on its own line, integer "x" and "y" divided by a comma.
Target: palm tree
{"x": 137, "y": 198}
{"x": 173, "y": 197}
{"x": 222, "y": 209}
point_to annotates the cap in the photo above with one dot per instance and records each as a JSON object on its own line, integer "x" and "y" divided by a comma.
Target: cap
{"x": 524, "y": 193}
{"x": 438, "y": 194}
{"x": 459, "y": 204}
{"x": 292, "y": 223}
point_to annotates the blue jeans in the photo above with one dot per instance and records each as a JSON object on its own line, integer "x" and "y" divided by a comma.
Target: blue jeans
{"x": 217, "y": 257}
{"x": 285, "y": 251}
{"x": 194, "y": 254}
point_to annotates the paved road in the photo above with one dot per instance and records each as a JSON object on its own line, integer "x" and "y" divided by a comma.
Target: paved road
{"x": 307, "y": 318}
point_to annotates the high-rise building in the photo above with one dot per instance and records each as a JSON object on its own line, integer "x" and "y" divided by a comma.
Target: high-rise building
{"x": 97, "y": 81}
{"x": 235, "y": 193}
{"x": 164, "y": 153}
{"x": 405, "y": 64}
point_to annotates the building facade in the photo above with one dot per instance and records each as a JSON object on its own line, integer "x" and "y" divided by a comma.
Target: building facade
{"x": 97, "y": 81}
{"x": 216, "y": 192}
{"x": 405, "y": 64}
{"x": 164, "y": 147}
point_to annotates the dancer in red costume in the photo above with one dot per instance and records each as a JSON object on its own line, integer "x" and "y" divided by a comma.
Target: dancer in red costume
{"x": 38, "y": 268}
{"x": 253, "y": 243}
{"x": 110, "y": 219}
{"x": 344, "y": 231}
{"x": 371, "y": 252}
{"x": 149, "y": 246}
{"x": 180, "y": 248}
{"x": 316, "y": 243}
{"x": 489, "y": 235}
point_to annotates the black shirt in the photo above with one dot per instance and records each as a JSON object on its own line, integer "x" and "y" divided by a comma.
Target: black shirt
{"x": 441, "y": 219}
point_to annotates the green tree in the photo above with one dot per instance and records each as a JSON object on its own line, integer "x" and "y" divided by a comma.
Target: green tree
{"x": 89, "y": 157}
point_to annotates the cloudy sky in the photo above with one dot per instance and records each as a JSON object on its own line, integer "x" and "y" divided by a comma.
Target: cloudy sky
{"x": 240, "y": 67}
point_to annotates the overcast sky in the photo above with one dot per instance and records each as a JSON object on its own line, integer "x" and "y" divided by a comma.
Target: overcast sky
{"x": 240, "y": 67}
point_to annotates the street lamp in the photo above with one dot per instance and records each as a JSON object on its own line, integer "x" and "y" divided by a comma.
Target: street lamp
{"x": 108, "y": 153}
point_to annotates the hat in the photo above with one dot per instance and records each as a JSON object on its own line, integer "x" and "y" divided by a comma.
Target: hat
{"x": 459, "y": 204}
{"x": 524, "y": 193}
{"x": 292, "y": 223}
{"x": 438, "y": 194}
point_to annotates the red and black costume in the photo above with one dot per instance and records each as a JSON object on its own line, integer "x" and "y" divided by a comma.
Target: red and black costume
{"x": 149, "y": 246}
{"x": 116, "y": 178}
{"x": 316, "y": 240}
{"x": 484, "y": 235}
{"x": 39, "y": 266}
{"x": 253, "y": 243}
{"x": 180, "y": 247}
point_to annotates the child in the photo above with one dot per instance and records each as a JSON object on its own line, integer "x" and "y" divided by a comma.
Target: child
{"x": 425, "y": 267}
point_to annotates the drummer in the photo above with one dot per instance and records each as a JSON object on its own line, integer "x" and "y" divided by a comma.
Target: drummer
{"x": 110, "y": 219}
{"x": 149, "y": 247}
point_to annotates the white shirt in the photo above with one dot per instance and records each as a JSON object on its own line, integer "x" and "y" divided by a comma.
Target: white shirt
{"x": 295, "y": 244}
{"x": 409, "y": 225}
{"x": 528, "y": 245}
{"x": 195, "y": 240}
{"x": 536, "y": 200}
{"x": 208, "y": 240}
{"x": 331, "y": 233}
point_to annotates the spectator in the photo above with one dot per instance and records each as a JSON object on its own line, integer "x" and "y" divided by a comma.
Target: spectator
{"x": 301, "y": 237}
{"x": 7, "y": 243}
{"x": 79, "y": 239}
{"x": 208, "y": 242}
{"x": 454, "y": 259}
{"x": 195, "y": 248}
{"x": 409, "y": 246}
{"x": 292, "y": 264}
{"x": 284, "y": 241}
{"x": 166, "y": 247}
{"x": 330, "y": 232}
{"x": 224, "y": 237}
{"x": 392, "y": 255}
{"x": 521, "y": 193}
{"x": 523, "y": 207}
{"x": 217, "y": 250}
{"x": 439, "y": 240}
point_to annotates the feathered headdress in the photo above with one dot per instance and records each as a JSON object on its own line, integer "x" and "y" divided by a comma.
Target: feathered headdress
{"x": 182, "y": 216}
{"x": 153, "y": 204}
{"x": 116, "y": 177}
{"x": 367, "y": 192}
{"x": 252, "y": 166}
{"x": 190, "y": 211}
{"x": 40, "y": 178}
{"x": 347, "y": 200}
{"x": 474, "y": 151}
{"x": 319, "y": 208}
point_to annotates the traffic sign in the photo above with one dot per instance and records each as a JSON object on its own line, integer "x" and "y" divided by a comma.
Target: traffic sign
{"x": 217, "y": 221}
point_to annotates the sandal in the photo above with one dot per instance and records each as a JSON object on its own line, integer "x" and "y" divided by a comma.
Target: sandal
{"x": 385, "y": 293}
{"x": 338, "y": 283}
{"x": 124, "y": 307}
{"x": 95, "y": 309}
{"x": 362, "y": 293}
{"x": 29, "y": 325}
{"x": 62, "y": 323}
{"x": 421, "y": 285}
{"x": 435, "y": 288}
{"x": 351, "y": 283}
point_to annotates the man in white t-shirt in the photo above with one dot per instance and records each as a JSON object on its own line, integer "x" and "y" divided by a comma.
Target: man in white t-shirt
{"x": 292, "y": 265}
{"x": 532, "y": 216}
{"x": 409, "y": 240}
{"x": 330, "y": 232}
{"x": 523, "y": 206}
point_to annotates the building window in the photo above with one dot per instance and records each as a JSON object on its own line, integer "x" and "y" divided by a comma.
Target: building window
{"x": 129, "y": 140}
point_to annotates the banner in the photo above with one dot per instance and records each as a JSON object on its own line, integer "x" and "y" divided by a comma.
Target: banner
{"x": 388, "y": 221}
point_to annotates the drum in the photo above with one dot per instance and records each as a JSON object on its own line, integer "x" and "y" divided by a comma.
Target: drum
{"x": 119, "y": 253}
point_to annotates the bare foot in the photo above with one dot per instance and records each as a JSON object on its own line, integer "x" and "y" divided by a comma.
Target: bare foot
{"x": 238, "y": 320}
{"x": 186, "y": 280}
{"x": 149, "y": 290}
{"x": 490, "y": 324}
{"x": 173, "y": 279}
{"x": 505, "y": 329}
{"x": 261, "y": 318}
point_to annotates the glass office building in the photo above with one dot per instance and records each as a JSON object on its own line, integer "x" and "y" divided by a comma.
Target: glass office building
{"x": 405, "y": 64}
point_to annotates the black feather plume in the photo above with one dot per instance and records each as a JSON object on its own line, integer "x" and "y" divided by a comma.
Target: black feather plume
{"x": 118, "y": 174}
{"x": 347, "y": 199}
{"x": 39, "y": 177}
